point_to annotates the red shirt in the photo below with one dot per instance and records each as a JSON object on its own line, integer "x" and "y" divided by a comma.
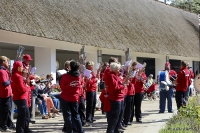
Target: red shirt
{"x": 5, "y": 87}
{"x": 82, "y": 89}
{"x": 102, "y": 74}
{"x": 115, "y": 87}
{"x": 91, "y": 84}
{"x": 71, "y": 88}
{"x": 19, "y": 88}
{"x": 183, "y": 80}
{"x": 139, "y": 88}
{"x": 131, "y": 88}
{"x": 106, "y": 73}
{"x": 105, "y": 100}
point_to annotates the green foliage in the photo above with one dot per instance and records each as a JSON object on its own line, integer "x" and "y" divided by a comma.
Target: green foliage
{"x": 187, "y": 120}
{"x": 188, "y": 5}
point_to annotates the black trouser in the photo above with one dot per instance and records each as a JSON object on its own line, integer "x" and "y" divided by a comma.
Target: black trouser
{"x": 114, "y": 116}
{"x": 102, "y": 110}
{"x": 137, "y": 107}
{"x": 23, "y": 116}
{"x": 128, "y": 109}
{"x": 81, "y": 110}
{"x": 5, "y": 112}
{"x": 180, "y": 96}
{"x": 90, "y": 105}
{"x": 123, "y": 109}
{"x": 70, "y": 111}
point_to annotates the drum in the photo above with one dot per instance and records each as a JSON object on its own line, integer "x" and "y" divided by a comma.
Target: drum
{"x": 164, "y": 80}
{"x": 197, "y": 83}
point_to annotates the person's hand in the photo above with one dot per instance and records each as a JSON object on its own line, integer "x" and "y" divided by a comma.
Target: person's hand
{"x": 44, "y": 95}
{"x": 40, "y": 101}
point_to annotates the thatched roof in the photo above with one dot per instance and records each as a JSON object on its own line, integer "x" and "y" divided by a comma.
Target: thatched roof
{"x": 141, "y": 25}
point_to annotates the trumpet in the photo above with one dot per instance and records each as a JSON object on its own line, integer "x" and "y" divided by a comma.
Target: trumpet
{"x": 19, "y": 53}
{"x": 141, "y": 68}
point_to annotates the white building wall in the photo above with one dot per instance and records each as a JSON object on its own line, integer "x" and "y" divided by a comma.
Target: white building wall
{"x": 45, "y": 61}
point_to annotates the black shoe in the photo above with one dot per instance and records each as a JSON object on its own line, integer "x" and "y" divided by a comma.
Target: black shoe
{"x": 89, "y": 121}
{"x": 160, "y": 112}
{"x": 30, "y": 131}
{"x": 120, "y": 131}
{"x": 139, "y": 121}
{"x": 93, "y": 120}
{"x": 171, "y": 111}
{"x": 129, "y": 123}
{"x": 122, "y": 128}
{"x": 86, "y": 125}
{"x": 32, "y": 121}
{"x": 5, "y": 129}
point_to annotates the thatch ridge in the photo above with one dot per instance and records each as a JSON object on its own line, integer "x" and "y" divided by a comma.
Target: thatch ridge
{"x": 142, "y": 25}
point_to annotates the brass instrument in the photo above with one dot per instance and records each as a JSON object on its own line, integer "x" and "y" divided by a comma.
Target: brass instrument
{"x": 141, "y": 69}
{"x": 19, "y": 53}
{"x": 82, "y": 59}
{"x": 129, "y": 73}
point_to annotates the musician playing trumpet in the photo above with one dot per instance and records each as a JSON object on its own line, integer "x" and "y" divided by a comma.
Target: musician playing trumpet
{"x": 139, "y": 80}
{"x": 115, "y": 88}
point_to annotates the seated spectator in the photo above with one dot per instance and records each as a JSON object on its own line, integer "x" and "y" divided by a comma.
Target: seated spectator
{"x": 42, "y": 92}
{"x": 40, "y": 101}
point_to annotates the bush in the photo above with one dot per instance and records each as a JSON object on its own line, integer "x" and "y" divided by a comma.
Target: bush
{"x": 187, "y": 120}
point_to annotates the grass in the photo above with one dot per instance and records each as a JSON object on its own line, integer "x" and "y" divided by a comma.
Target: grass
{"x": 186, "y": 121}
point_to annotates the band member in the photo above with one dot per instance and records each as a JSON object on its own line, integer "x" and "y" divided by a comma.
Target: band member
{"x": 140, "y": 80}
{"x": 20, "y": 96}
{"x": 71, "y": 85}
{"x": 81, "y": 108}
{"x": 189, "y": 91}
{"x": 129, "y": 103}
{"x": 66, "y": 69}
{"x": 167, "y": 94}
{"x": 5, "y": 96}
{"x": 26, "y": 65}
{"x": 91, "y": 87}
{"x": 26, "y": 61}
{"x": 115, "y": 89}
{"x": 107, "y": 70}
{"x": 182, "y": 83}
{"x": 101, "y": 79}
{"x": 104, "y": 97}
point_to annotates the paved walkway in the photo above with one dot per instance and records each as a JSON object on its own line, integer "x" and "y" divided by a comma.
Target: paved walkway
{"x": 152, "y": 121}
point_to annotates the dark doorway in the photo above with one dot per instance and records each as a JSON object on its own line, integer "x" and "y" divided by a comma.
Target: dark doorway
{"x": 175, "y": 65}
{"x": 196, "y": 67}
{"x": 150, "y": 68}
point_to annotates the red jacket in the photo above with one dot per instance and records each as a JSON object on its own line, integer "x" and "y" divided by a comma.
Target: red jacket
{"x": 91, "y": 84}
{"x": 183, "y": 80}
{"x": 104, "y": 98}
{"x": 105, "y": 76}
{"x": 5, "y": 87}
{"x": 131, "y": 88}
{"x": 82, "y": 89}
{"x": 102, "y": 74}
{"x": 139, "y": 88}
{"x": 19, "y": 88}
{"x": 115, "y": 87}
{"x": 71, "y": 88}
{"x": 125, "y": 91}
